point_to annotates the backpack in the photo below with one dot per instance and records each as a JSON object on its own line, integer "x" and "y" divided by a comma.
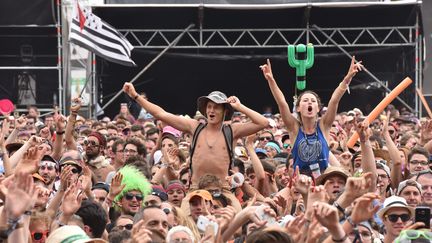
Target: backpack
{"x": 228, "y": 135}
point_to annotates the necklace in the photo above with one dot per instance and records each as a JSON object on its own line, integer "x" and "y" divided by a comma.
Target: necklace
{"x": 207, "y": 142}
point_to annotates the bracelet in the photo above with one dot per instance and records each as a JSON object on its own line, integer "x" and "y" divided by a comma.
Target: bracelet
{"x": 341, "y": 240}
{"x": 350, "y": 221}
{"x": 60, "y": 133}
{"x": 136, "y": 97}
{"x": 339, "y": 207}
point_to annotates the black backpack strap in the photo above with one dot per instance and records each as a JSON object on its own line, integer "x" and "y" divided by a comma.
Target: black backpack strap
{"x": 228, "y": 134}
{"x": 197, "y": 131}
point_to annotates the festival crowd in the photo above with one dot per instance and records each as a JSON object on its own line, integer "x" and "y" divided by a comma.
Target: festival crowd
{"x": 227, "y": 174}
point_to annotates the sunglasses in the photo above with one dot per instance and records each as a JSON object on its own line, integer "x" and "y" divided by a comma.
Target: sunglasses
{"x": 75, "y": 170}
{"x": 167, "y": 210}
{"x": 394, "y": 217}
{"x": 39, "y": 235}
{"x": 265, "y": 138}
{"x": 126, "y": 226}
{"x": 286, "y": 145}
{"x": 90, "y": 142}
{"x": 413, "y": 235}
{"x": 48, "y": 167}
{"x": 130, "y": 196}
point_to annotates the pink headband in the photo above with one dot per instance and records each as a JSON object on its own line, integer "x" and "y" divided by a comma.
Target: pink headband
{"x": 175, "y": 186}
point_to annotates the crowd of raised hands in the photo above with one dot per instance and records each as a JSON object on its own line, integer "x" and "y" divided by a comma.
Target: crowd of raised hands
{"x": 128, "y": 181}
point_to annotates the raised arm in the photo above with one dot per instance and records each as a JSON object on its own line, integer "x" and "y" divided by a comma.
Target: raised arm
{"x": 396, "y": 169}
{"x": 181, "y": 123}
{"x": 20, "y": 124}
{"x": 257, "y": 123}
{"x": 330, "y": 114}
{"x": 368, "y": 158}
{"x": 256, "y": 164}
{"x": 289, "y": 120}
{"x": 69, "y": 138}
{"x": 60, "y": 130}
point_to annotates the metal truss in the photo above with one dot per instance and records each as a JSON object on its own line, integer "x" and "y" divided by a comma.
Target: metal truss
{"x": 272, "y": 38}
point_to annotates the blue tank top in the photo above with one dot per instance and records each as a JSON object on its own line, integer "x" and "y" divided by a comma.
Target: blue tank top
{"x": 310, "y": 149}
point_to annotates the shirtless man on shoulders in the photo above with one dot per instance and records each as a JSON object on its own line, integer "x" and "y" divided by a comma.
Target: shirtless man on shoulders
{"x": 211, "y": 152}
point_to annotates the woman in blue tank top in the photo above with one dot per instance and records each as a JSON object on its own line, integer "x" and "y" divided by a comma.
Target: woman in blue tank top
{"x": 310, "y": 150}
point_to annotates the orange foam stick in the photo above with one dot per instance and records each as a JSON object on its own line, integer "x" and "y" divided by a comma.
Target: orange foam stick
{"x": 380, "y": 107}
{"x": 423, "y": 100}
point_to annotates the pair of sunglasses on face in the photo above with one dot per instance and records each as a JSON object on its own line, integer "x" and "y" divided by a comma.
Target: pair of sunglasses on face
{"x": 39, "y": 235}
{"x": 129, "y": 196}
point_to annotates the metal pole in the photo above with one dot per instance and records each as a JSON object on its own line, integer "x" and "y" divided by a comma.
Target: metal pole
{"x": 59, "y": 57}
{"x": 150, "y": 64}
{"x": 365, "y": 69}
{"x": 94, "y": 91}
{"x": 416, "y": 60}
{"x": 419, "y": 69}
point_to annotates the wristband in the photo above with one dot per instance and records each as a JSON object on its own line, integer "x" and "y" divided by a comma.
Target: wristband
{"x": 341, "y": 209}
{"x": 136, "y": 97}
{"x": 341, "y": 240}
{"x": 60, "y": 133}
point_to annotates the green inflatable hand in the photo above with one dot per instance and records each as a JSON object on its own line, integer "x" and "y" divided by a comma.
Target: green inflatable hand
{"x": 304, "y": 60}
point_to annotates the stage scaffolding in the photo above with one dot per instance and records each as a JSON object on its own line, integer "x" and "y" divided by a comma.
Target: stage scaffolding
{"x": 9, "y": 31}
{"x": 256, "y": 38}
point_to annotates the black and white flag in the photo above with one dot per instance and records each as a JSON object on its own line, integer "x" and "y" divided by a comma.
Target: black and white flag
{"x": 92, "y": 33}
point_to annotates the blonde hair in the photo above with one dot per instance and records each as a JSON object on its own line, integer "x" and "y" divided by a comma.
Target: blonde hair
{"x": 181, "y": 219}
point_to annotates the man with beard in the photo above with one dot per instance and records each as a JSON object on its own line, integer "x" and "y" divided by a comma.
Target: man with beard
{"x": 49, "y": 170}
{"x": 425, "y": 180}
{"x": 94, "y": 146}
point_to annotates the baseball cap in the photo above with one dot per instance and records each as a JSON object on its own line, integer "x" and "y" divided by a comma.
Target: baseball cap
{"x": 409, "y": 182}
{"x": 101, "y": 185}
{"x": 261, "y": 151}
{"x": 199, "y": 193}
{"x": 159, "y": 192}
{"x": 171, "y": 130}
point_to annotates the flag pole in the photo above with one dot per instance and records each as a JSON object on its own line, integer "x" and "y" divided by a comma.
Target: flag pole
{"x": 151, "y": 63}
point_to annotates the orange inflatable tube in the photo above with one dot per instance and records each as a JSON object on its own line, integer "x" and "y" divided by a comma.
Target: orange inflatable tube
{"x": 423, "y": 100}
{"x": 381, "y": 106}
